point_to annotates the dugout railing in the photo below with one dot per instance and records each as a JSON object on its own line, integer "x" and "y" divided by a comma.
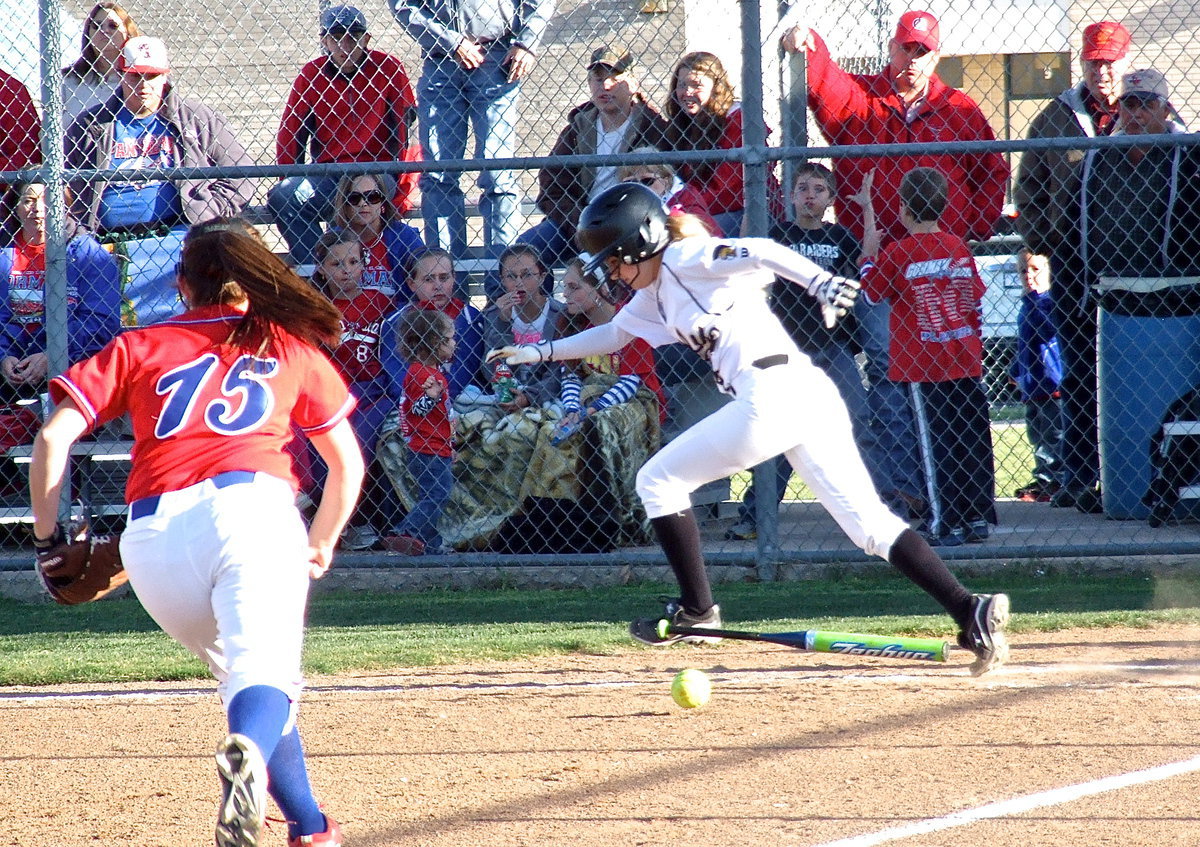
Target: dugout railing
{"x": 798, "y": 531}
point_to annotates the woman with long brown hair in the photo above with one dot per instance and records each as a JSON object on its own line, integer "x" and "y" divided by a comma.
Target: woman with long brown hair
{"x": 93, "y": 77}
{"x": 702, "y": 114}
{"x": 214, "y": 545}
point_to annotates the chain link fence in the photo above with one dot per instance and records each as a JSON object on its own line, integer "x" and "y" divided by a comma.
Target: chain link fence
{"x": 440, "y": 126}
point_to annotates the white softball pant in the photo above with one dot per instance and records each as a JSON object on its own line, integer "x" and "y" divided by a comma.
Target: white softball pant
{"x": 793, "y": 409}
{"x": 222, "y": 567}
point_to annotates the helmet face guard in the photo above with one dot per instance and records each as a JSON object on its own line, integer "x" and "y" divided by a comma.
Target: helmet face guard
{"x": 627, "y": 221}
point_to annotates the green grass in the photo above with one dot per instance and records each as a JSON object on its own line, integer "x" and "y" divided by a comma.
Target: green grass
{"x": 42, "y": 644}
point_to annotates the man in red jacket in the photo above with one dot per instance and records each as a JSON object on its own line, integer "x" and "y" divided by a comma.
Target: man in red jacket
{"x": 352, "y": 104}
{"x": 906, "y": 102}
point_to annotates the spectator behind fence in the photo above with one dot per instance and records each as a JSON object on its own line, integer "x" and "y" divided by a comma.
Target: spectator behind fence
{"x": 427, "y": 425}
{"x": 20, "y": 127}
{"x": 339, "y": 275}
{"x": 94, "y": 77}
{"x": 702, "y": 114}
{"x": 524, "y": 314}
{"x": 361, "y": 205}
{"x": 832, "y": 247}
{"x": 1139, "y": 216}
{"x": 593, "y": 384}
{"x": 476, "y": 54}
{"x": 906, "y": 102}
{"x": 1047, "y": 198}
{"x": 1036, "y": 370}
{"x": 616, "y": 119}
{"x": 352, "y": 104}
{"x": 936, "y": 349}
{"x": 679, "y": 197}
{"x": 431, "y": 286}
{"x": 93, "y": 292}
{"x": 146, "y": 124}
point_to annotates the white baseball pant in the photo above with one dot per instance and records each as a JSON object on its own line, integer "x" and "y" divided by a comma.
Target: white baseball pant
{"x": 224, "y": 571}
{"x": 793, "y": 409}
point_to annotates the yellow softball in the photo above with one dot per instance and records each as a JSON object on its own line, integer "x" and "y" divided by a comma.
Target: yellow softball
{"x": 691, "y": 688}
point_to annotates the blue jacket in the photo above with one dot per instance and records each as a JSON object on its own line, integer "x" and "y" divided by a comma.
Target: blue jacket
{"x": 1037, "y": 366}
{"x": 94, "y": 291}
{"x": 468, "y": 352}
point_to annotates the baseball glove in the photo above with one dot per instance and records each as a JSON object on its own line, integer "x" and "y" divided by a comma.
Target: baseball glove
{"x": 81, "y": 568}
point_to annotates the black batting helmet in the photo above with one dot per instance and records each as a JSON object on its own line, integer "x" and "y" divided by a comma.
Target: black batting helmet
{"x": 628, "y": 221}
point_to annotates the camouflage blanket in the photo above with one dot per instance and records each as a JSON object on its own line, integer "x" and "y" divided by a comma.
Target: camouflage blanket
{"x": 506, "y": 462}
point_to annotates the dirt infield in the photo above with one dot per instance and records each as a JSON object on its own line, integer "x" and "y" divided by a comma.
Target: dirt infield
{"x": 795, "y": 749}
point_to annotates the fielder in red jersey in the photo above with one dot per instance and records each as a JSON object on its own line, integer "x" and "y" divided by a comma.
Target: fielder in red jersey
{"x": 214, "y": 545}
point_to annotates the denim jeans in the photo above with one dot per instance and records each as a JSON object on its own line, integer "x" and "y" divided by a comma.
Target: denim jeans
{"x": 299, "y": 205}
{"x": 434, "y": 477}
{"x": 890, "y": 451}
{"x": 449, "y": 97}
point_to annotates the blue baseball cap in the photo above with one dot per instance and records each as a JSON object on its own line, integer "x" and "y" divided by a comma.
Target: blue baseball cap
{"x": 342, "y": 19}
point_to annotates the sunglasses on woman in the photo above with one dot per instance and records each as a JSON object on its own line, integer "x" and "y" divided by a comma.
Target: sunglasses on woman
{"x": 372, "y": 197}
{"x": 648, "y": 180}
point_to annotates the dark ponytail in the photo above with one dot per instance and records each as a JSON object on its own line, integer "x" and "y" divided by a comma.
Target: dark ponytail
{"x": 225, "y": 261}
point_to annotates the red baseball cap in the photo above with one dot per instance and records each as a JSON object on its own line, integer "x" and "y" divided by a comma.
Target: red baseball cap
{"x": 1105, "y": 41}
{"x": 918, "y": 28}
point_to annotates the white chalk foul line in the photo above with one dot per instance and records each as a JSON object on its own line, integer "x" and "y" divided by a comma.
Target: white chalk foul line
{"x": 1017, "y": 805}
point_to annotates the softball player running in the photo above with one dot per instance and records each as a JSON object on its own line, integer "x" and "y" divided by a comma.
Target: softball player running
{"x": 214, "y": 545}
{"x": 710, "y": 293}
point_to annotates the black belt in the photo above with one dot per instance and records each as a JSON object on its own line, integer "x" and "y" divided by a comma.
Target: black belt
{"x": 147, "y": 506}
{"x": 770, "y": 361}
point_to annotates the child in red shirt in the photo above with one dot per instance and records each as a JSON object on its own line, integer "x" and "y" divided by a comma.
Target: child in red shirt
{"x": 426, "y": 338}
{"x": 340, "y": 262}
{"x": 936, "y": 349}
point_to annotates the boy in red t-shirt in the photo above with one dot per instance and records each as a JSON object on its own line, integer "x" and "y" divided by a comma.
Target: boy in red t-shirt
{"x": 426, "y": 338}
{"x": 936, "y": 349}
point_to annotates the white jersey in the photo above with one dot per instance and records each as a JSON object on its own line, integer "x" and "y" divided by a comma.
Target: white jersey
{"x": 711, "y": 294}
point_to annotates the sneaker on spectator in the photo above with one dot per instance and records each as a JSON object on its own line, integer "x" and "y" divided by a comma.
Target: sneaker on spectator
{"x": 976, "y": 532}
{"x": 359, "y": 537}
{"x": 949, "y": 538}
{"x": 743, "y": 530}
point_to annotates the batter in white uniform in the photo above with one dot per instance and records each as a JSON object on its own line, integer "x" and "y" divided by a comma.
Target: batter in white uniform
{"x": 710, "y": 294}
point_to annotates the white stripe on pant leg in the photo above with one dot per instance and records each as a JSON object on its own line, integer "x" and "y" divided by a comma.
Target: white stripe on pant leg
{"x": 925, "y": 445}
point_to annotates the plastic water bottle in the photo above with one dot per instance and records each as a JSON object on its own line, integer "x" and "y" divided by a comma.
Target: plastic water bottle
{"x": 504, "y": 383}
{"x": 565, "y": 430}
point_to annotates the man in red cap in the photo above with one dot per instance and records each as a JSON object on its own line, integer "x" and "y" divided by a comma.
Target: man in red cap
{"x": 1047, "y": 199}
{"x": 906, "y": 103}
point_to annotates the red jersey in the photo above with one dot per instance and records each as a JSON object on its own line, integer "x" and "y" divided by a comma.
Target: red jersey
{"x": 935, "y": 292}
{"x": 358, "y": 356}
{"x": 200, "y": 407}
{"x": 424, "y": 421}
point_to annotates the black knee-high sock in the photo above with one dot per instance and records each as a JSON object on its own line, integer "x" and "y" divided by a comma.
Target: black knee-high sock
{"x": 913, "y": 557}
{"x": 679, "y": 535}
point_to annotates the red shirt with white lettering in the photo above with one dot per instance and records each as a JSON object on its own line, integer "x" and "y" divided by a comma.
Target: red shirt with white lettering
{"x": 936, "y": 296}
{"x": 200, "y": 407}
{"x": 358, "y": 356}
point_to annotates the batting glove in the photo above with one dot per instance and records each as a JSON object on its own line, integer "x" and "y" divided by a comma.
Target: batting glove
{"x": 836, "y": 296}
{"x": 520, "y": 354}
